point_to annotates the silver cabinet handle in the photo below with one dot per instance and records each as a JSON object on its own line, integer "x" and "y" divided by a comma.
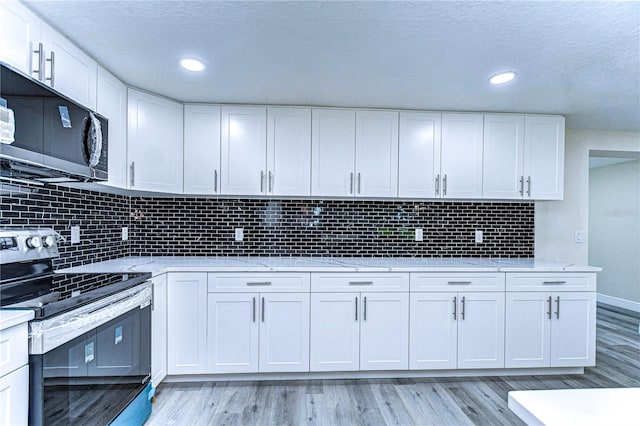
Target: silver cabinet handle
{"x": 438, "y": 184}
{"x": 455, "y": 308}
{"x": 53, "y": 69}
{"x": 458, "y": 282}
{"x": 270, "y": 181}
{"x": 522, "y": 186}
{"x": 132, "y": 171}
{"x": 262, "y": 309}
{"x": 215, "y": 180}
{"x": 261, "y": 181}
{"x": 444, "y": 185}
{"x": 529, "y": 186}
{"x": 356, "y": 308}
{"x": 351, "y": 183}
{"x": 40, "y": 70}
{"x": 364, "y": 310}
{"x": 259, "y": 283}
{"x": 254, "y": 309}
{"x": 558, "y": 307}
{"x": 463, "y": 309}
{"x": 553, "y": 282}
{"x": 359, "y": 180}
{"x": 549, "y": 311}
{"x": 360, "y": 282}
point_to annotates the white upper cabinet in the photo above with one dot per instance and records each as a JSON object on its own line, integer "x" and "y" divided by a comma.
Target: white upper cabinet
{"x": 544, "y": 157}
{"x": 201, "y": 149}
{"x": 244, "y": 150}
{"x": 376, "y": 154}
{"x": 19, "y": 36}
{"x": 112, "y": 103}
{"x": 523, "y": 157}
{"x": 503, "y": 156}
{"x": 419, "y": 154}
{"x": 155, "y": 143}
{"x": 289, "y": 151}
{"x": 333, "y": 152}
{"x": 461, "y": 156}
{"x": 68, "y": 69}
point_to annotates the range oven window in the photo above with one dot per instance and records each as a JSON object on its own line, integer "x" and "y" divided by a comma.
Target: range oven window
{"x": 89, "y": 379}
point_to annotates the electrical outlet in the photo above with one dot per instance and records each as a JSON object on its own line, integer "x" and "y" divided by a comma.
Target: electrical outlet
{"x": 125, "y": 233}
{"x": 579, "y": 237}
{"x": 75, "y": 293}
{"x": 479, "y": 236}
{"x": 75, "y": 234}
{"x": 419, "y": 234}
{"x": 239, "y": 234}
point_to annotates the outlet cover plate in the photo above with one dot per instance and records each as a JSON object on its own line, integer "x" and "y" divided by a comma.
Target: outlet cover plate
{"x": 75, "y": 234}
{"x": 239, "y": 234}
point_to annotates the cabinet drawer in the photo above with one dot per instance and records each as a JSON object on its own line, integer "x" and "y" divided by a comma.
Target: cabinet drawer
{"x": 236, "y": 282}
{"x": 463, "y": 281}
{"x": 551, "y": 281}
{"x": 357, "y": 281}
{"x": 14, "y": 350}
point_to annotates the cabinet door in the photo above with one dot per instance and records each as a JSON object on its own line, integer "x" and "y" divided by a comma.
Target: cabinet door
{"x": 112, "y": 103}
{"x": 289, "y": 151}
{"x": 376, "y": 154}
{"x": 155, "y": 143}
{"x": 159, "y": 330}
{"x": 333, "y": 137}
{"x": 14, "y": 397}
{"x": 69, "y": 70}
{"x": 186, "y": 323}
{"x": 503, "y": 158}
{"x": 335, "y": 331}
{"x": 528, "y": 330}
{"x": 232, "y": 337}
{"x": 573, "y": 329}
{"x": 284, "y": 332}
{"x": 544, "y": 157}
{"x": 384, "y": 331}
{"x": 19, "y": 36}
{"x": 419, "y": 154}
{"x": 481, "y": 330}
{"x": 434, "y": 330}
{"x": 244, "y": 150}
{"x": 201, "y": 149}
{"x": 461, "y": 155}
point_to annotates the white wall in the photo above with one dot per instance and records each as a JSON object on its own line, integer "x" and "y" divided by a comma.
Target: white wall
{"x": 614, "y": 229}
{"x": 556, "y": 221}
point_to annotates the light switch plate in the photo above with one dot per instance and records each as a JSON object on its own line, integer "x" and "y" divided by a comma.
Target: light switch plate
{"x": 75, "y": 234}
{"x": 479, "y": 236}
{"x": 125, "y": 233}
{"x": 239, "y": 233}
{"x": 419, "y": 234}
{"x": 579, "y": 237}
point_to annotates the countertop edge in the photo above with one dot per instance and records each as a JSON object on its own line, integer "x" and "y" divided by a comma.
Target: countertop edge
{"x": 13, "y": 317}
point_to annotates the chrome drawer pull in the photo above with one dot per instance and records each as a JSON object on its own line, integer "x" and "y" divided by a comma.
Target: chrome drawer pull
{"x": 455, "y": 308}
{"x": 458, "y": 282}
{"x": 360, "y": 282}
{"x": 259, "y": 283}
{"x": 553, "y": 282}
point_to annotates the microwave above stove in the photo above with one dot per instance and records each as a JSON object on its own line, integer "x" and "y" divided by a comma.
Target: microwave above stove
{"x": 47, "y": 137}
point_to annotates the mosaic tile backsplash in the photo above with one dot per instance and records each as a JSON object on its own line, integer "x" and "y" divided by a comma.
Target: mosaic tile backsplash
{"x": 205, "y": 227}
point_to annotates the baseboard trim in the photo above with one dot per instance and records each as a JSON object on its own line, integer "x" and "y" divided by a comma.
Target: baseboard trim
{"x": 371, "y": 374}
{"x": 618, "y": 302}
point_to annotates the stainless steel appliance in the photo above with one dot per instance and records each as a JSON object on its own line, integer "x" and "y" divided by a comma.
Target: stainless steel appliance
{"x": 90, "y": 340}
{"x": 52, "y": 138}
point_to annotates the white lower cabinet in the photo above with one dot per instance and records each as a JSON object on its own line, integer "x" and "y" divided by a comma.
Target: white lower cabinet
{"x": 159, "y": 330}
{"x": 359, "y": 331}
{"x": 14, "y": 397}
{"x": 187, "y": 323}
{"x": 456, "y": 330}
{"x": 550, "y": 329}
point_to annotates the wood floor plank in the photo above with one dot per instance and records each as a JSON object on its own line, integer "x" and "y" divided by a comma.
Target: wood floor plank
{"x": 409, "y": 401}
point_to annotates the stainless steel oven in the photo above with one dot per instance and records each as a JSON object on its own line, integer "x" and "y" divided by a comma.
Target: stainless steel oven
{"x": 90, "y": 354}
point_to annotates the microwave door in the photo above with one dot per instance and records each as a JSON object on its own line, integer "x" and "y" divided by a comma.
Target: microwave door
{"x": 29, "y": 142}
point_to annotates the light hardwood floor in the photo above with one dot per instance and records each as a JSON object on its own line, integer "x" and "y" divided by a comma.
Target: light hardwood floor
{"x": 435, "y": 401}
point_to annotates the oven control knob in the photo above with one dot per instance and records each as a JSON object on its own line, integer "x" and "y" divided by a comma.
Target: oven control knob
{"x": 48, "y": 241}
{"x": 34, "y": 242}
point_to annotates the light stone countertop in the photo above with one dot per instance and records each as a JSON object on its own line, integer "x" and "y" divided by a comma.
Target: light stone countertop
{"x": 161, "y": 264}
{"x": 11, "y": 317}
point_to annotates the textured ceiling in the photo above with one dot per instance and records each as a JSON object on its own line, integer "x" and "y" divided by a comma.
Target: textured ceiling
{"x": 580, "y": 59}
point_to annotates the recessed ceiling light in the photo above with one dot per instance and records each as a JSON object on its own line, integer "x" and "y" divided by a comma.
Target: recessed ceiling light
{"x": 192, "y": 65}
{"x": 503, "y": 77}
